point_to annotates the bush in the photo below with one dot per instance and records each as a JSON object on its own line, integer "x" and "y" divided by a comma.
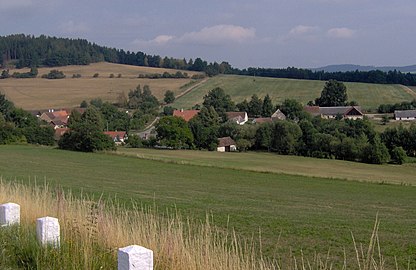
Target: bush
{"x": 398, "y": 155}
{"x": 76, "y": 75}
{"x": 111, "y": 75}
{"x": 134, "y": 141}
{"x": 243, "y": 145}
{"x": 95, "y": 75}
{"x": 54, "y": 74}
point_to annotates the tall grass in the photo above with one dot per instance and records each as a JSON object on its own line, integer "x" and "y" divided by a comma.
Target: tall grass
{"x": 92, "y": 230}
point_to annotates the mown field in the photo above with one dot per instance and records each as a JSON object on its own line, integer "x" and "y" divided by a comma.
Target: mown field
{"x": 294, "y": 165}
{"x": 370, "y": 96}
{"x": 287, "y": 212}
{"x": 41, "y": 93}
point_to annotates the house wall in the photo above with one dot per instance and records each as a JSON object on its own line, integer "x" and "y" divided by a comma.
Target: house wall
{"x": 233, "y": 148}
{"x": 406, "y": 118}
{"x": 354, "y": 117}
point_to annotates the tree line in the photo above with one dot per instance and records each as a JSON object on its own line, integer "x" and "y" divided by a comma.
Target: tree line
{"x": 31, "y": 51}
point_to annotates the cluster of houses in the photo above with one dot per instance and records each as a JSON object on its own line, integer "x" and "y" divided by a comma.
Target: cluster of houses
{"x": 58, "y": 119}
{"x": 227, "y": 144}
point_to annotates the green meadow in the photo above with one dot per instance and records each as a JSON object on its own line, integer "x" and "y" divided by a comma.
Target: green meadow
{"x": 281, "y": 212}
{"x": 294, "y": 165}
{"x": 369, "y": 96}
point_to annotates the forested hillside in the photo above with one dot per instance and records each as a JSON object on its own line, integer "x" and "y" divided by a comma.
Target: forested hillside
{"x": 30, "y": 51}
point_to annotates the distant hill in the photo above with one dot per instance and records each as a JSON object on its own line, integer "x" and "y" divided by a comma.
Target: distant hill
{"x": 350, "y": 67}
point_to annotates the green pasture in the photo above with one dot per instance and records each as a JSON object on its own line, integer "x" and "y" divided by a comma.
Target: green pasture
{"x": 282, "y": 212}
{"x": 370, "y": 96}
{"x": 273, "y": 163}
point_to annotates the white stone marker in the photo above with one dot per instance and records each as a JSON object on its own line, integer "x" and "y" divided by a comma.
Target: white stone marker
{"x": 135, "y": 258}
{"x": 48, "y": 231}
{"x": 9, "y": 214}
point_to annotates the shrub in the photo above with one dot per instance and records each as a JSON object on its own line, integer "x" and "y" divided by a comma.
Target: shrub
{"x": 54, "y": 74}
{"x": 398, "y": 155}
{"x": 95, "y": 75}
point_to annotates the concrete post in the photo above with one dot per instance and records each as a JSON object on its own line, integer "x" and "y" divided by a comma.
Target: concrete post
{"x": 48, "y": 231}
{"x": 9, "y": 214}
{"x": 135, "y": 258}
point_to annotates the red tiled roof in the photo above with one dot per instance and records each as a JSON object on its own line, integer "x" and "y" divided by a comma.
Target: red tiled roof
{"x": 225, "y": 141}
{"x": 115, "y": 134}
{"x": 232, "y": 115}
{"x": 185, "y": 114}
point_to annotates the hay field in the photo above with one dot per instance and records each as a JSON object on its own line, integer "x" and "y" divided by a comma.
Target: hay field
{"x": 369, "y": 96}
{"x": 41, "y": 93}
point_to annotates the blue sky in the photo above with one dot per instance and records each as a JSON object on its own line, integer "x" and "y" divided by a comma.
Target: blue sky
{"x": 262, "y": 33}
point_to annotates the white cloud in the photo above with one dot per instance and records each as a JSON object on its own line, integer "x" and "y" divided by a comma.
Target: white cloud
{"x": 305, "y": 33}
{"x": 157, "y": 41}
{"x": 219, "y": 34}
{"x": 215, "y": 35}
{"x": 71, "y": 27}
{"x": 342, "y": 32}
{"x": 162, "y": 39}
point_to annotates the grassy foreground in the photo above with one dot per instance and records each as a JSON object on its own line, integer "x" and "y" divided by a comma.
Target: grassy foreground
{"x": 287, "y": 214}
{"x": 92, "y": 232}
{"x": 369, "y": 96}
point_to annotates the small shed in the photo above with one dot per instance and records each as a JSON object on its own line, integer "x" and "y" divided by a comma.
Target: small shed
{"x": 226, "y": 144}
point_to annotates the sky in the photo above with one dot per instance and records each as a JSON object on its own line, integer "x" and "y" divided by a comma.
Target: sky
{"x": 245, "y": 33}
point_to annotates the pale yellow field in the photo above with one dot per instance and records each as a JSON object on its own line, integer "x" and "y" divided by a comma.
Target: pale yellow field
{"x": 41, "y": 93}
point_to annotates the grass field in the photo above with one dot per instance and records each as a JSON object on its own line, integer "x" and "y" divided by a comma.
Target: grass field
{"x": 294, "y": 165}
{"x": 370, "y": 96}
{"x": 41, "y": 93}
{"x": 287, "y": 212}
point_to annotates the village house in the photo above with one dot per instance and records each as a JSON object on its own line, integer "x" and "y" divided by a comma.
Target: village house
{"x": 345, "y": 112}
{"x": 407, "y": 115}
{"x": 277, "y": 115}
{"x": 238, "y": 117}
{"x": 58, "y": 119}
{"x": 185, "y": 114}
{"x": 226, "y": 144}
{"x": 119, "y": 137}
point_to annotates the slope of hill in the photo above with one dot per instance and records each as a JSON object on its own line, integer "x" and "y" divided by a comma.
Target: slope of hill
{"x": 370, "y": 96}
{"x": 41, "y": 93}
{"x": 349, "y": 67}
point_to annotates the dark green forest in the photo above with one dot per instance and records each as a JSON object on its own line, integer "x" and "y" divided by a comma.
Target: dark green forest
{"x": 30, "y": 51}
